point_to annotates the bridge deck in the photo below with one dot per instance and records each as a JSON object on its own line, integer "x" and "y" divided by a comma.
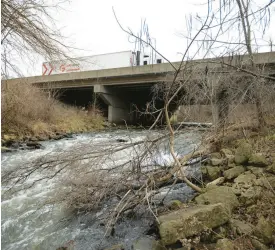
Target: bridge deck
{"x": 141, "y": 74}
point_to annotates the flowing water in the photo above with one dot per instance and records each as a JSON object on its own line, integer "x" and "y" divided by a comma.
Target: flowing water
{"x": 29, "y": 223}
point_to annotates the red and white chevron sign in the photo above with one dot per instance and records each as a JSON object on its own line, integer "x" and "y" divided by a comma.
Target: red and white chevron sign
{"x": 47, "y": 69}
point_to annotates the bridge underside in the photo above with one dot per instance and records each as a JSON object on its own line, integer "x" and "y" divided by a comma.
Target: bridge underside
{"x": 120, "y": 104}
{"x": 124, "y": 94}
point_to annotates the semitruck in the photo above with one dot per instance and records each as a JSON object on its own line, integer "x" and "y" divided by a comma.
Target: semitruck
{"x": 98, "y": 62}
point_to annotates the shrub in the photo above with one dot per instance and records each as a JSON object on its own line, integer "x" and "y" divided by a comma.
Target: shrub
{"x": 28, "y": 110}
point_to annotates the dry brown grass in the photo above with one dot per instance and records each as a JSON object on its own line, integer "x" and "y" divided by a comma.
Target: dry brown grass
{"x": 28, "y": 111}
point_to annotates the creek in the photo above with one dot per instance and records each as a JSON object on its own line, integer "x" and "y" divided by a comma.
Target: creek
{"x": 28, "y": 222}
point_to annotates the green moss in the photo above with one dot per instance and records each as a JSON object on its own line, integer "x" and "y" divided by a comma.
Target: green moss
{"x": 175, "y": 204}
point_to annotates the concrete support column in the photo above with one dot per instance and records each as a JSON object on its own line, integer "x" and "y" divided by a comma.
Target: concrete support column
{"x": 118, "y": 115}
{"x": 118, "y": 109}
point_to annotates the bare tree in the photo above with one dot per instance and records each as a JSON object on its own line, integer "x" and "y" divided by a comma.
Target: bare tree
{"x": 250, "y": 21}
{"x": 209, "y": 42}
{"x": 28, "y": 28}
{"x": 175, "y": 86}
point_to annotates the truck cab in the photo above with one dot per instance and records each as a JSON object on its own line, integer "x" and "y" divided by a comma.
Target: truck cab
{"x": 146, "y": 58}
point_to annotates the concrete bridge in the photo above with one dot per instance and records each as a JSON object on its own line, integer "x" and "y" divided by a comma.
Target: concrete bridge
{"x": 121, "y": 88}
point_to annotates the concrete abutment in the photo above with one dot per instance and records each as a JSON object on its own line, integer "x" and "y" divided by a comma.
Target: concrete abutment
{"x": 118, "y": 110}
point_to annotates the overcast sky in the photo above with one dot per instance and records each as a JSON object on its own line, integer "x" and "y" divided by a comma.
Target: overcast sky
{"x": 91, "y": 26}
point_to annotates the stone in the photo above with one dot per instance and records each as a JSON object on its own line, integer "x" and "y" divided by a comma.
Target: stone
{"x": 271, "y": 168}
{"x": 121, "y": 140}
{"x": 217, "y": 162}
{"x": 212, "y": 172}
{"x": 179, "y": 191}
{"x": 42, "y": 138}
{"x": 147, "y": 243}
{"x": 220, "y": 194}
{"x": 215, "y": 183}
{"x": 250, "y": 195}
{"x": 258, "y": 245}
{"x": 241, "y": 227}
{"x": 243, "y": 182}
{"x": 216, "y": 155}
{"x": 264, "y": 230}
{"x": 246, "y": 179}
{"x": 191, "y": 221}
{"x": 266, "y": 181}
{"x": 256, "y": 170}
{"x": 228, "y": 154}
{"x": 223, "y": 244}
{"x": 35, "y": 145}
{"x": 243, "y": 153}
{"x": 258, "y": 160}
{"x": 33, "y": 139}
{"x": 226, "y": 151}
{"x": 233, "y": 172}
{"x": 69, "y": 136}
{"x": 58, "y": 137}
{"x": 231, "y": 165}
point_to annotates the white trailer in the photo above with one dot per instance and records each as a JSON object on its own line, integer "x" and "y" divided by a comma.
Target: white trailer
{"x": 97, "y": 62}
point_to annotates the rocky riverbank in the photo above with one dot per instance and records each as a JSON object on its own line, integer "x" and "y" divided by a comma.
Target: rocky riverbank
{"x": 236, "y": 209}
{"x": 10, "y": 143}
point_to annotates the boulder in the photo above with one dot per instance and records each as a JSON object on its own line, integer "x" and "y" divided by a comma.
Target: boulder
{"x": 217, "y": 161}
{"x": 228, "y": 154}
{"x": 258, "y": 245}
{"x": 212, "y": 173}
{"x": 265, "y": 230}
{"x": 233, "y": 172}
{"x": 250, "y": 195}
{"x": 243, "y": 153}
{"x": 246, "y": 179}
{"x": 191, "y": 221}
{"x": 220, "y": 194}
{"x": 241, "y": 227}
{"x": 257, "y": 160}
{"x": 243, "y": 182}
{"x": 223, "y": 244}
